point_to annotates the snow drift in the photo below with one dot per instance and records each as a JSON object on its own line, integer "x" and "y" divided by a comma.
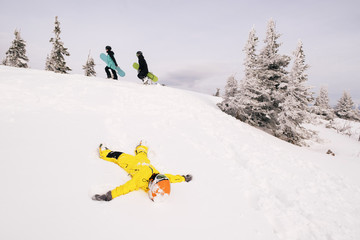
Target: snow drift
{"x": 247, "y": 184}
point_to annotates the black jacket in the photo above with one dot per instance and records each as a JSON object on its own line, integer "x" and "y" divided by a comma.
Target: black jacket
{"x": 111, "y": 54}
{"x": 143, "y": 68}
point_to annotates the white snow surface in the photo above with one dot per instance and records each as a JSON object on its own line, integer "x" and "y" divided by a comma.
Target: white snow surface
{"x": 247, "y": 184}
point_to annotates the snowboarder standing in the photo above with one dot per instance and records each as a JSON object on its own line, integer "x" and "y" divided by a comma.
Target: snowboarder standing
{"x": 143, "y": 175}
{"x": 143, "y": 68}
{"x": 110, "y": 58}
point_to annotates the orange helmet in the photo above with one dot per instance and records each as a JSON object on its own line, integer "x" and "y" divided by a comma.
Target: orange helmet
{"x": 159, "y": 187}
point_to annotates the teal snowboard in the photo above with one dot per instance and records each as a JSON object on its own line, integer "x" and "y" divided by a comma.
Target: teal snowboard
{"x": 149, "y": 75}
{"x": 110, "y": 63}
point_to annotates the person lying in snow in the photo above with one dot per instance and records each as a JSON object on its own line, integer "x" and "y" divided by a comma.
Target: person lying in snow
{"x": 144, "y": 175}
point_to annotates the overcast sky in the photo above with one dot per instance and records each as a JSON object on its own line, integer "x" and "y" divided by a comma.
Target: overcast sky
{"x": 192, "y": 44}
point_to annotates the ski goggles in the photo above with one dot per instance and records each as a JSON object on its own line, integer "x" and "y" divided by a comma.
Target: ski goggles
{"x": 157, "y": 177}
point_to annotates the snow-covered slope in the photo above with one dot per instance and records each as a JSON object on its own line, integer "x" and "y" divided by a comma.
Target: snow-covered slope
{"x": 247, "y": 184}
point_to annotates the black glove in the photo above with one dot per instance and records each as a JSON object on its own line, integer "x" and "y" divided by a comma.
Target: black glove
{"x": 188, "y": 177}
{"x": 104, "y": 197}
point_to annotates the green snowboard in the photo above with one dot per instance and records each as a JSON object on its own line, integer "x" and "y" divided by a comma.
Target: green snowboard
{"x": 149, "y": 75}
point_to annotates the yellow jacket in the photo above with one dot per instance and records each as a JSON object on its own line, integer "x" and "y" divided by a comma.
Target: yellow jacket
{"x": 138, "y": 167}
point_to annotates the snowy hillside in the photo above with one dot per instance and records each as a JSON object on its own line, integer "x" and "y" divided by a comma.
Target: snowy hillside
{"x": 247, "y": 184}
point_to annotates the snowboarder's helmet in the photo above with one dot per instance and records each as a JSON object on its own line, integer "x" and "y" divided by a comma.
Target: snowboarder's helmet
{"x": 159, "y": 188}
{"x": 138, "y": 53}
{"x": 108, "y": 48}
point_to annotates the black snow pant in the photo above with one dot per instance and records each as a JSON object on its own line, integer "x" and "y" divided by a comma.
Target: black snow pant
{"x": 142, "y": 75}
{"x": 108, "y": 73}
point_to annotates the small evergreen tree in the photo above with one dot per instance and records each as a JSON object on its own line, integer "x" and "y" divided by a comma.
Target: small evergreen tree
{"x": 231, "y": 87}
{"x": 251, "y": 91}
{"x": 16, "y": 55}
{"x": 298, "y": 79}
{"x": 357, "y": 113}
{"x": 273, "y": 77}
{"x": 48, "y": 66}
{"x": 289, "y": 128}
{"x": 344, "y": 108}
{"x": 229, "y": 105}
{"x": 238, "y": 98}
{"x": 323, "y": 99}
{"x": 322, "y": 106}
{"x": 294, "y": 108}
{"x": 56, "y": 61}
{"x": 89, "y": 67}
{"x": 251, "y": 56}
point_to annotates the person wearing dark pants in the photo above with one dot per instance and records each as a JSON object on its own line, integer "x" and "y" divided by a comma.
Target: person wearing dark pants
{"x": 111, "y": 58}
{"x": 143, "y": 68}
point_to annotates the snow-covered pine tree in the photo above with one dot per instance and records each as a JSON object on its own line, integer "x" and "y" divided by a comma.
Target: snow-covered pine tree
{"x": 56, "y": 61}
{"x": 231, "y": 87}
{"x": 250, "y": 56}
{"x": 288, "y": 126}
{"x": 323, "y": 99}
{"x": 273, "y": 77}
{"x": 322, "y": 106}
{"x": 228, "y": 105}
{"x": 217, "y": 94}
{"x": 48, "y": 66}
{"x": 89, "y": 67}
{"x": 250, "y": 95}
{"x": 344, "y": 108}
{"x": 294, "y": 109}
{"x": 357, "y": 113}
{"x": 298, "y": 79}
{"x": 16, "y": 55}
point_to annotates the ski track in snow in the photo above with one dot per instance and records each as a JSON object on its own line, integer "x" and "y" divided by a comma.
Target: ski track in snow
{"x": 247, "y": 184}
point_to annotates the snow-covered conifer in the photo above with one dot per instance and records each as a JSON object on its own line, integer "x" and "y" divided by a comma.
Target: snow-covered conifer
{"x": 356, "y": 112}
{"x": 217, "y": 94}
{"x": 298, "y": 78}
{"x": 344, "y": 108}
{"x": 16, "y": 55}
{"x": 322, "y": 106}
{"x": 292, "y": 115}
{"x": 56, "y": 61}
{"x": 228, "y": 105}
{"x": 231, "y": 87}
{"x": 294, "y": 108}
{"x": 250, "y": 56}
{"x": 273, "y": 77}
{"x": 48, "y": 66}
{"x": 323, "y": 99}
{"x": 250, "y": 94}
{"x": 89, "y": 67}
{"x": 288, "y": 126}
